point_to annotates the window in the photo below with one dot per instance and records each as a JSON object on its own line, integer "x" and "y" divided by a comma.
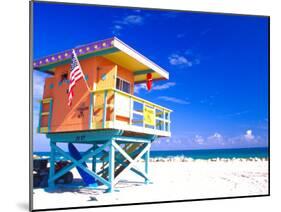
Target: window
{"x": 63, "y": 77}
{"x": 126, "y": 87}
{"x": 123, "y": 85}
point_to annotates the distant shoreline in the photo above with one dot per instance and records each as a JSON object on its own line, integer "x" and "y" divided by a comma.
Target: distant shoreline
{"x": 203, "y": 154}
{"x": 188, "y": 159}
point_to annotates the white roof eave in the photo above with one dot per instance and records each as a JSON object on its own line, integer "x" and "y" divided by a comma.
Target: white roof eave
{"x": 139, "y": 57}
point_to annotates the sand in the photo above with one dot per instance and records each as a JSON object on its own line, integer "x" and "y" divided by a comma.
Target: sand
{"x": 173, "y": 179}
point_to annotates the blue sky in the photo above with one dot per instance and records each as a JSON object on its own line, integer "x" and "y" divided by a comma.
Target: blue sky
{"x": 218, "y": 65}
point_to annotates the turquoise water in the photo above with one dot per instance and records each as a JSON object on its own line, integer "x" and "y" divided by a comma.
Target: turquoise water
{"x": 214, "y": 153}
{"x": 202, "y": 154}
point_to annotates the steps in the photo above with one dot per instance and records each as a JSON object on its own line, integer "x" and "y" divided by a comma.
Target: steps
{"x": 132, "y": 149}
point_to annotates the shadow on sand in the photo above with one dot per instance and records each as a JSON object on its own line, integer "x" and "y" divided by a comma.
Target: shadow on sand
{"x": 23, "y": 206}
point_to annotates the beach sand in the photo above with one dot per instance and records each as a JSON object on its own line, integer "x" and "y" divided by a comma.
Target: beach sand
{"x": 173, "y": 179}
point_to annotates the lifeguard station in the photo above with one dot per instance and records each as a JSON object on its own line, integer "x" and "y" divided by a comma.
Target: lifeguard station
{"x": 119, "y": 126}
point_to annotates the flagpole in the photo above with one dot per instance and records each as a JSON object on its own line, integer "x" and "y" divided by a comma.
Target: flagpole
{"x": 82, "y": 71}
{"x": 86, "y": 82}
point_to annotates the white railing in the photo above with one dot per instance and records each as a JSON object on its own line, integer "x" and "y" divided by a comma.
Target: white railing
{"x": 112, "y": 108}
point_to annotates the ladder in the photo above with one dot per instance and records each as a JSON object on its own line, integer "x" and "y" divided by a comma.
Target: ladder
{"x": 120, "y": 162}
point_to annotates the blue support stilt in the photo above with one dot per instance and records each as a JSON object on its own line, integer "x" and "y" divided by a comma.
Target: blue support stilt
{"x": 51, "y": 181}
{"x": 72, "y": 165}
{"x": 80, "y": 165}
{"x": 88, "y": 179}
{"x": 125, "y": 158}
{"x": 132, "y": 161}
{"x": 111, "y": 166}
{"x": 94, "y": 160}
{"x": 147, "y": 156}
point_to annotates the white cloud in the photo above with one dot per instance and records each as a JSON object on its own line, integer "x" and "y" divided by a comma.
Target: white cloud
{"x": 39, "y": 140}
{"x": 176, "y": 59}
{"x": 139, "y": 87}
{"x": 185, "y": 58}
{"x": 209, "y": 99}
{"x": 133, "y": 19}
{"x": 173, "y": 99}
{"x": 237, "y": 113}
{"x": 249, "y": 135}
{"x": 163, "y": 86}
{"x": 157, "y": 141}
{"x": 142, "y": 86}
{"x": 199, "y": 139}
{"x": 38, "y": 84}
{"x": 125, "y": 21}
{"x": 196, "y": 140}
{"x": 216, "y": 138}
{"x": 247, "y": 140}
{"x": 177, "y": 141}
{"x": 130, "y": 20}
{"x": 118, "y": 27}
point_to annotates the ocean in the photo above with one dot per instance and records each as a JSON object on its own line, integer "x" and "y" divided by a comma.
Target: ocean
{"x": 214, "y": 153}
{"x": 205, "y": 154}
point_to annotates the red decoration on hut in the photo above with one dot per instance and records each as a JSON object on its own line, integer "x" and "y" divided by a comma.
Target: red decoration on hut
{"x": 149, "y": 81}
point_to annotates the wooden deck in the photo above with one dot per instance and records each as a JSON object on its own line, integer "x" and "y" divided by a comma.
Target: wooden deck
{"x": 129, "y": 113}
{"x": 115, "y": 109}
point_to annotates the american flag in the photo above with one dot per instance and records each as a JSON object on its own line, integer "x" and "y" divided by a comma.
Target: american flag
{"x": 75, "y": 75}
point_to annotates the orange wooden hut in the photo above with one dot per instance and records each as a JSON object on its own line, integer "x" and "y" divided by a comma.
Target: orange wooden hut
{"x": 106, "y": 113}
